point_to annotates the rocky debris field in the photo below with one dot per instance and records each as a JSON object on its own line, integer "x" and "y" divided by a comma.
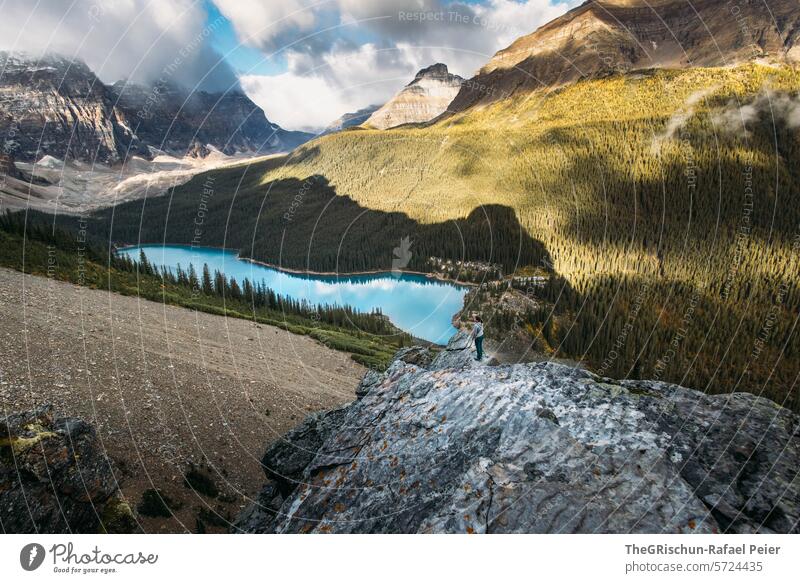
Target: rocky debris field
{"x": 446, "y": 444}
{"x": 181, "y": 402}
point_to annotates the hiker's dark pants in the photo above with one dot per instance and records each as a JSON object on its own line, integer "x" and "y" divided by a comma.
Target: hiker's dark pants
{"x": 479, "y": 346}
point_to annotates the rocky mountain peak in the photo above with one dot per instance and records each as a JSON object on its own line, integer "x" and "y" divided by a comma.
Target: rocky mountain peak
{"x": 427, "y": 96}
{"x": 54, "y": 105}
{"x": 438, "y": 72}
{"x": 602, "y": 37}
{"x": 20, "y": 61}
{"x": 441, "y": 443}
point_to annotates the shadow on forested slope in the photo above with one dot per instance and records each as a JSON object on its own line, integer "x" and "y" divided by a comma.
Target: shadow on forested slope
{"x": 305, "y": 224}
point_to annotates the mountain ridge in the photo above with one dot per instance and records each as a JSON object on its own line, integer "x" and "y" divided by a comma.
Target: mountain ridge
{"x": 602, "y": 37}
{"x": 351, "y": 119}
{"x": 426, "y": 97}
{"x": 57, "y": 106}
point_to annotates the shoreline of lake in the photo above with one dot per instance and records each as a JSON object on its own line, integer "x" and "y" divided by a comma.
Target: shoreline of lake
{"x": 419, "y": 304}
{"x": 332, "y": 274}
{"x": 311, "y": 273}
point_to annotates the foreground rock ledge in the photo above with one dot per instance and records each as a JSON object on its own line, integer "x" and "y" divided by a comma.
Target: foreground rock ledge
{"x": 538, "y": 448}
{"x": 56, "y": 478}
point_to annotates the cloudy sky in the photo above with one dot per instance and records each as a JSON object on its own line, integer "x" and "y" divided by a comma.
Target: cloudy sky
{"x": 305, "y": 62}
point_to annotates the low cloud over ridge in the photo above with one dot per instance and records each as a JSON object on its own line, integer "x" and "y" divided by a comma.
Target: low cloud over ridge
{"x": 135, "y": 39}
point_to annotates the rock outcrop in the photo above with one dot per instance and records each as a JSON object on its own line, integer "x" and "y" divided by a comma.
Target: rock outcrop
{"x": 602, "y": 37}
{"x": 55, "y": 478}
{"x": 425, "y": 98}
{"x": 58, "y": 107}
{"x": 450, "y": 445}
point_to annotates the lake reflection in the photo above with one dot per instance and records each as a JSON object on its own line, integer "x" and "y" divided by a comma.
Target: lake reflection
{"x": 414, "y": 303}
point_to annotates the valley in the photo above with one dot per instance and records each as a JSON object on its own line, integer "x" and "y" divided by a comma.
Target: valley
{"x": 71, "y": 143}
{"x": 74, "y": 187}
{"x": 369, "y": 337}
{"x": 229, "y": 326}
{"x": 664, "y": 224}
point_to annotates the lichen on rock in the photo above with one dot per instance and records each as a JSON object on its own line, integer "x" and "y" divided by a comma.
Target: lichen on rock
{"x": 55, "y": 477}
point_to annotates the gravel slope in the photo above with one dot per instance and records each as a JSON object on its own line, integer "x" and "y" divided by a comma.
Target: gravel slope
{"x": 164, "y": 386}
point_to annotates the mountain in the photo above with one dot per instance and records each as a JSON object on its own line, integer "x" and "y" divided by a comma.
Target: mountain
{"x": 601, "y": 37}
{"x": 58, "y": 107}
{"x": 615, "y": 185}
{"x": 659, "y": 207}
{"x": 353, "y": 119}
{"x": 171, "y": 119}
{"x": 445, "y": 445}
{"x": 54, "y": 106}
{"x": 425, "y": 98}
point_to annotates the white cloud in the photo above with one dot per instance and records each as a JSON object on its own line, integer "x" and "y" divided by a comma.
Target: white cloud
{"x": 120, "y": 39}
{"x": 456, "y": 24}
{"x": 508, "y": 20}
{"x": 325, "y": 81}
{"x": 295, "y": 101}
{"x": 771, "y": 107}
{"x": 259, "y": 22}
{"x": 342, "y": 54}
{"x": 317, "y": 90}
{"x": 678, "y": 119}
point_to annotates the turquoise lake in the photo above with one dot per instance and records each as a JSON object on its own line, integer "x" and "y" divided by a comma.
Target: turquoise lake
{"x": 416, "y": 304}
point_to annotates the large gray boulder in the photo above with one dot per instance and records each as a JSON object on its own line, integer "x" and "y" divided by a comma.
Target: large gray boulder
{"x": 540, "y": 448}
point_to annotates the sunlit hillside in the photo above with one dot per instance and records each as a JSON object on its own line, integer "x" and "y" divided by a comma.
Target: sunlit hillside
{"x": 665, "y": 199}
{"x": 636, "y": 174}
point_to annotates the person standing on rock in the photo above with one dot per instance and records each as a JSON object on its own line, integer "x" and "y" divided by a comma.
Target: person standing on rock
{"x": 477, "y": 336}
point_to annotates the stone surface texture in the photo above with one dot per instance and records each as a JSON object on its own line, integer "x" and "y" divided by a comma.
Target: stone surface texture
{"x": 56, "y": 478}
{"x": 455, "y": 446}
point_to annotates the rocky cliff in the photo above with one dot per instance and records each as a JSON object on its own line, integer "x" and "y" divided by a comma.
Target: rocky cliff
{"x": 601, "y": 37}
{"x": 171, "y": 119}
{"x": 425, "y": 98}
{"x": 446, "y": 444}
{"x": 56, "y": 478}
{"x": 58, "y": 107}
